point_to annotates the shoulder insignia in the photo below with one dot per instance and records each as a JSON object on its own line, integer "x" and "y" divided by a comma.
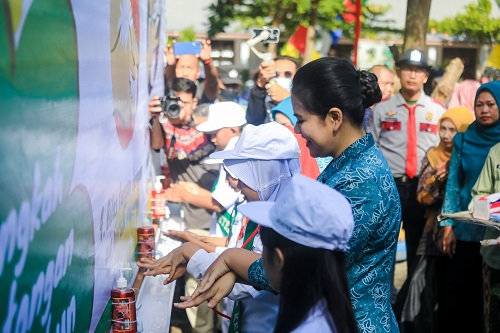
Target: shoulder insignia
{"x": 429, "y": 116}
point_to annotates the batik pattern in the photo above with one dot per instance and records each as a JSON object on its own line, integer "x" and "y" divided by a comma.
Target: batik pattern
{"x": 362, "y": 175}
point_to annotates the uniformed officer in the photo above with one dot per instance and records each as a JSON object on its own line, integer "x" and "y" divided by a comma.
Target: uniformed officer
{"x": 404, "y": 128}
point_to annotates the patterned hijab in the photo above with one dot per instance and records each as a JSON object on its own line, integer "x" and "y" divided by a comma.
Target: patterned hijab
{"x": 461, "y": 118}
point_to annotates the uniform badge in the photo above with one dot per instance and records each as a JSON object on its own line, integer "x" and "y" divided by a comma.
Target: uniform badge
{"x": 390, "y": 113}
{"x": 429, "y": 116}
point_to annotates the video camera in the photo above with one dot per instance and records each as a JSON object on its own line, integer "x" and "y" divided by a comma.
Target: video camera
{"x": 170, "y": 105}
{"x": 265, "y": 35}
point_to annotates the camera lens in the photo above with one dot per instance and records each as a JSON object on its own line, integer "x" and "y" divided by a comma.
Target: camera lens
{"x": 170, "y": 106}
{"x": 173, "y": 109}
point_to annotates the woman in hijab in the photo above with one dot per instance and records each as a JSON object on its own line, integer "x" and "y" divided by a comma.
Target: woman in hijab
{"x": 424, "y": 288}
{"x": 461, "y": 240}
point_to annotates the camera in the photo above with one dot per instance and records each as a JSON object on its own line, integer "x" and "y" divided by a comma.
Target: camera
{"x": 170, "y": 105}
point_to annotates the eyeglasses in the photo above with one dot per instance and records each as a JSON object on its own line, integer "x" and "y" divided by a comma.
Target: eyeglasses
{"x": 287, "y": 74}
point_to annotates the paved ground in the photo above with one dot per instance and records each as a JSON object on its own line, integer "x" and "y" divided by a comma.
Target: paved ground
{"x": 400, "y": 274}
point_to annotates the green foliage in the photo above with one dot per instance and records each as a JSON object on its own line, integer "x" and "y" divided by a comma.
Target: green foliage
{"x": 475, "y": 24}
{"x": 187, "y": 35}
{"x": 288, "y": 14}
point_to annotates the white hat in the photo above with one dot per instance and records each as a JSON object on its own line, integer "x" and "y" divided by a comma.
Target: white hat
{"x": 221, "y": 115}
{"x": 308, "y": 213}
{"x": 230, "y": 146}
{"x": 270, "y": 141}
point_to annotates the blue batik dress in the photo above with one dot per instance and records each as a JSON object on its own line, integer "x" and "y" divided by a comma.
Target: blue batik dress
{"x": 362, "y": 175}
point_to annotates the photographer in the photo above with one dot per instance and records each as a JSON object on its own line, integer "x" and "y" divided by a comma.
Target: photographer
{"x": 272, "y": 85}
{"x": 188, "y": 66}
{"x": 184, "y": 146}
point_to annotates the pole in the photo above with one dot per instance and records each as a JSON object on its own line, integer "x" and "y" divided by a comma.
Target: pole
{"x": 357, "y": 31}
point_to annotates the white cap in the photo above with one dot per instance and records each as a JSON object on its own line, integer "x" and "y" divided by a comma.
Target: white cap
{"x": 230, "y": 146}
{"x": 270, "y": 141}
{"x": 221, "y": 115}
{"x": 121, "y": 282}
{"x": 308, "y": 213}
{"x": 158, "y": 185}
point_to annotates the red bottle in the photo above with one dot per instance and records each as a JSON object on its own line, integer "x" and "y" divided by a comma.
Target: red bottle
{"x": 158, "y": 200}
{"x": 124, "y": 318}
{"x": 145, "y": 242}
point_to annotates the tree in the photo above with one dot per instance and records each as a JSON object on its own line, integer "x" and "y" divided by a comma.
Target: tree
{"x": 417, "y": 18}
{"x": 287, "y": 14}
{"x": 475, "y": 24}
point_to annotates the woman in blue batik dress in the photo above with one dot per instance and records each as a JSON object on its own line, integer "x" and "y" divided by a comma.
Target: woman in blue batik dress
{"x": 329, "y": 98}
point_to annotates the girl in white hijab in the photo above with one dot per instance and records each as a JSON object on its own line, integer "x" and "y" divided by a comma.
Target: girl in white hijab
{"x": 264, "y": 160}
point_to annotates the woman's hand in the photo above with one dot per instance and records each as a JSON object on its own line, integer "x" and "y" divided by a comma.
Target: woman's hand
{"x": 220, "y": 289}
{"x": 449, "y": 241}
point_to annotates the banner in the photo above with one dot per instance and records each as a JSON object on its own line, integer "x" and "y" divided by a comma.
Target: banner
{"x": 75, "y": 81}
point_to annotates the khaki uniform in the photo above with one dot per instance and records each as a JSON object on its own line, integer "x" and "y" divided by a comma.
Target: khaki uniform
{"x": 390, "y": 131}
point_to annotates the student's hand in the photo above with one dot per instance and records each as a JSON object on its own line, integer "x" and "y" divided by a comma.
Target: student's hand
{"x": 449, "y": 241}
{"x": 184, "y": 235}
{"x": 174, "y": 263}
{"x": 220, "y": 289}
{"x": 214, "y": 272}
{"x": 266, "y": 72}
{"x": 175, "y": 193}
{"x": 276, "y": 92}
{"x": 154, "y": 108}
{"x": 191, "y": 187}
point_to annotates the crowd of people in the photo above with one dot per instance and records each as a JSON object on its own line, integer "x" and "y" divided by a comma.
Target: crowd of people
{"x": 294, "y": 206}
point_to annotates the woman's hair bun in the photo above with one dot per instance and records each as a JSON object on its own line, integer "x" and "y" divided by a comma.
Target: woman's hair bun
{"x": 370, "y": 89}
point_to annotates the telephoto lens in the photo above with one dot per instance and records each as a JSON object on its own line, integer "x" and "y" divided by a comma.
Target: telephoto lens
{"x": 170, "y": 105}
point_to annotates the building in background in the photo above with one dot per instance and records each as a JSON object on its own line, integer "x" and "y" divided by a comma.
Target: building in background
{"x": 230, "y": 48}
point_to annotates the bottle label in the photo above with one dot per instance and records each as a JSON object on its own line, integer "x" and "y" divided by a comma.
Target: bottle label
{"x": 146, "y": 244}
{"x": 123, "y": 316}
{"x": 158, "y": 203}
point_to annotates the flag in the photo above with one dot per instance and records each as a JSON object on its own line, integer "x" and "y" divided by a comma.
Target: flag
{"x": 494, "y": 58}
{"x": 296, "y": 45}
{"x": 349, "y": 14}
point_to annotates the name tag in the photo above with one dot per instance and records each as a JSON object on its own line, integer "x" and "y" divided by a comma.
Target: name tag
{"x": 391, "y": 126}
{"x": 430, "y": 128}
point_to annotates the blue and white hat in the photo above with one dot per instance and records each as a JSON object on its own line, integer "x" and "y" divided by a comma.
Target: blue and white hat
{"x": 310, "y": 213}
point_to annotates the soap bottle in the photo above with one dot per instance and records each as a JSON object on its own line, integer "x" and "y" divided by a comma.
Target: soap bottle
{"x": 145, "y": 240}
{"x": 158, "y": 200}
{"x": 124, "y": 317}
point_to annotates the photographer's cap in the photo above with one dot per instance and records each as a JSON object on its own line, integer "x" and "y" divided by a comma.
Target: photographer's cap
{"x": 221, "y": 115}
{"x": 270, "y": 141}
{"x": 413, "y": 57}
{"x": 309, "y": 213}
